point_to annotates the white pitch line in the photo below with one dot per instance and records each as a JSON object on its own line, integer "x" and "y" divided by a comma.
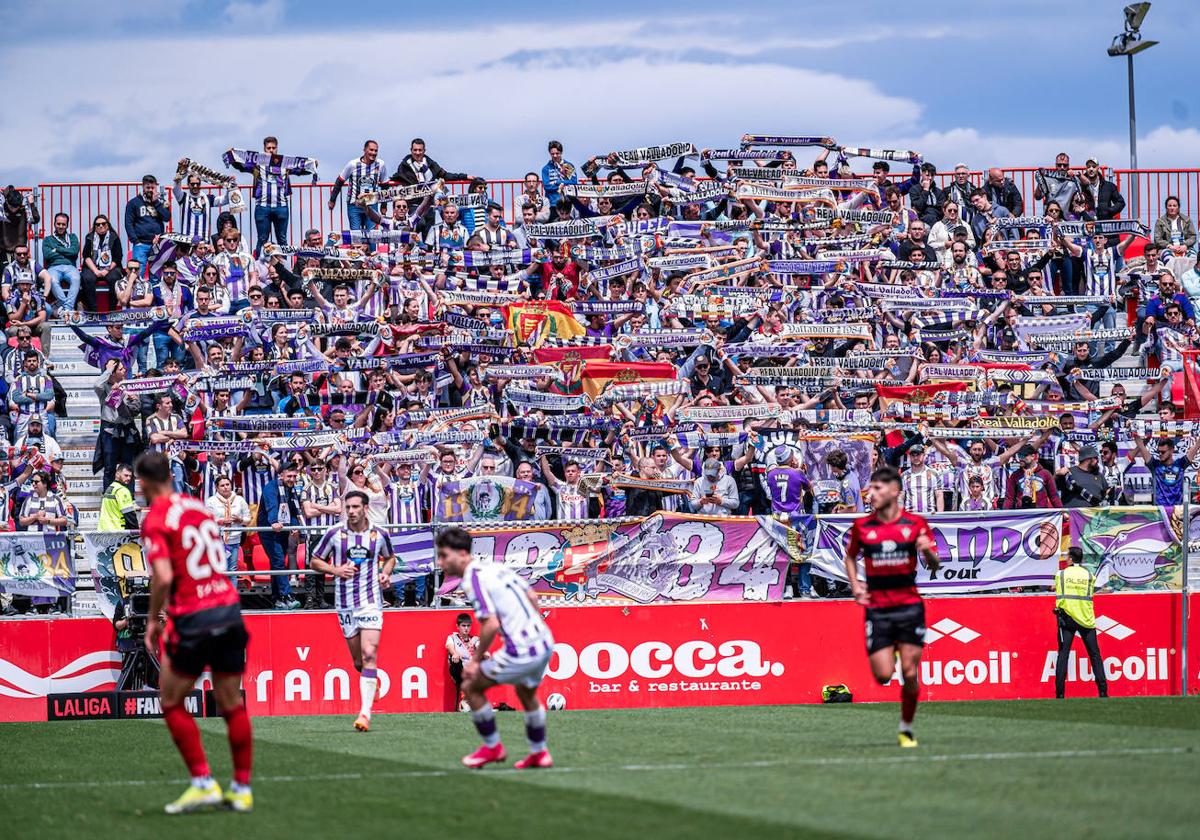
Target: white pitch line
{"x": 1043, "y": 755}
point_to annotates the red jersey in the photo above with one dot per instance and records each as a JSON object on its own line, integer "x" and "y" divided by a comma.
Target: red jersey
{"x": 889, "y": 552}
{"x": 180, "y": 530}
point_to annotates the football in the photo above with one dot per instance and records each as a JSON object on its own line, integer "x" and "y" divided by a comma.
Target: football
{"x": 556, "y": 702}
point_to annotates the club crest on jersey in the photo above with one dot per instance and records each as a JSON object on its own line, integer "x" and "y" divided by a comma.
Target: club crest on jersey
{"x": 870, "y": 535}
{"x": 905, "y": 531}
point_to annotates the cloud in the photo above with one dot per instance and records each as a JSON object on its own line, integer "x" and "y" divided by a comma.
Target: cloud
{"x": 486, "y": 99}
{"x": 243, "y": 16}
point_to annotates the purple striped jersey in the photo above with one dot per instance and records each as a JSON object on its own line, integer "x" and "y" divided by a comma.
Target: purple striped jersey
{"x": 212, "y": 473}
{"x": 256, "y": 478}
{"x": 919, "y": 491}
{"x": 786, "y": 488}
{"x": 320, "y": 494}
{"x": 497, "y": 590}
{"x": 367, "y": 550}
{"x": 404, "y": 501}
{"x": 570, "y": 501}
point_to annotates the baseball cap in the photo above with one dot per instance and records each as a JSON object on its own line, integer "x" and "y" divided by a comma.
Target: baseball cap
{"x": 36, "y": 418}
{"x": 1091, "y": 160}
{"x": 25, "y": 278}
{"x": 1008, "y": 335}
{"x": 918, "y": 449}
{"x": 712, "y": 468}
{"x": 1088, "y": 452}
{"x": 149, "y": 179}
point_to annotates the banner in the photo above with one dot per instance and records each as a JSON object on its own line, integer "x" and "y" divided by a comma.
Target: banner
{"x": 665, "y": 558}
{"x": 492, "y": 497}
{"x": 632, "y": 656}
{"x": 113, "y": 556}
{"x": 1130, "y": 547}
{"x": 999, "y": 550}
{"x": 36, "y": 564}
{"x": 540, "y": 320}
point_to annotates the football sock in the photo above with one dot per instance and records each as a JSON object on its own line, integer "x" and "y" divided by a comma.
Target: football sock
{"x": 187, "y": 740}
{"x": 485, "y": 725}
{"x": 366, "y": 684}
{"x": 535, "y": 729}
{"x": 908, "y": 710}
{"x": 241, "y": 743}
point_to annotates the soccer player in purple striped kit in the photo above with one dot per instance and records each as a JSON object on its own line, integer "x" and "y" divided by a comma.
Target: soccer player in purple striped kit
{"x": 360, "y": 558}
{"x": 504, "y": 605}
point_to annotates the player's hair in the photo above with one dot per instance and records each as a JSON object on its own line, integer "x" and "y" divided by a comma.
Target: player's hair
{"x": 123, "y": 466}
{"x": 886, "y": 475}
{"x": 572, "y": 464}
{"x": 153, "y": 466}
{"x": 1075, "y": 554}
{"x": 461, "y": 617}
{"x": 455, "y": 539}
{"x": 358, "y": 494}
{"x": 837, "y": 459}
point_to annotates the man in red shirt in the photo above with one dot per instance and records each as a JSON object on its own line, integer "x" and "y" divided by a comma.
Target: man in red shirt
{"x": 183, "y": 546}
{"x": 890, "y": 540}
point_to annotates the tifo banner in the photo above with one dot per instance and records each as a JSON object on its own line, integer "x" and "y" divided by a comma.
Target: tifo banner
{"x": 113, "y": 556}
{"x": 632, "y": 656}
{"x": 1002, "y": 550}
{"x": 1131, "y": 547}
{"x": 36, "y": 564}
{"x": 661, "y": 559}
{"x": 483, "y": 498}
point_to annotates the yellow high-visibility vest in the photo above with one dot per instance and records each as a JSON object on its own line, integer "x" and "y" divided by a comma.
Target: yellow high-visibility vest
{"x": 1073, "y": 587}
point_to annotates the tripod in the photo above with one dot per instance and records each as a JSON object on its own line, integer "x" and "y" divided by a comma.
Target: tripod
{"x": 139, "y": 670}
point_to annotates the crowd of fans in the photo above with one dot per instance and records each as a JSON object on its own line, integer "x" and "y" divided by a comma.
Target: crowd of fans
{"x": 738, "y": 331}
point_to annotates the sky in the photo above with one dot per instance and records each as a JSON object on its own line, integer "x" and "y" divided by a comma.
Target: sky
{"x": 109, "y": 96}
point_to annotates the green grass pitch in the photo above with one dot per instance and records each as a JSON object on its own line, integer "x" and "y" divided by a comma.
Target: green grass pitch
{"x": 1083, "y": 768}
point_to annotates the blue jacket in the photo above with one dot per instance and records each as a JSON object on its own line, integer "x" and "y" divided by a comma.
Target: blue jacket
{"x": 552, "y": 180}
{"x": 271, "y": 507}
{"x": 144, "y": 221}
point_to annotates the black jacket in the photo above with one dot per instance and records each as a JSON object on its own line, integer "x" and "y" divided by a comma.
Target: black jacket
{"x": 639, "y": 502}
{"x": 1109, "y": 202}
{"x": 927, "y": 204}
{"x": 405, "y": 175}
{"x": 1006, "y": 195}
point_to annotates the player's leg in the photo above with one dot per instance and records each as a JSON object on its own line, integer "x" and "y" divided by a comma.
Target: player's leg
{"x": 228, "y": 663}
{"x": 535, "y": 729}
{"x": 1088, "y": 636}
{"x": 475, "y": 685}
{"x": 1066, "y": 635}
{"x": 910, "y": 669}
{"x": 174, "y": 684}
{"x": 883, "y": 664}
{"x": 368, "y": 681}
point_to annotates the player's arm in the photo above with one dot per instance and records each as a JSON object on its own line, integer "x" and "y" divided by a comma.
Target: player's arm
{"x": 857, "y": 587}
{"x": 488, "y": 628}
{"x": 927, "y": 547}
{"x": 385, "y": 571}
{"x": 161, "y": 578}
{"x": 322, "y": 566}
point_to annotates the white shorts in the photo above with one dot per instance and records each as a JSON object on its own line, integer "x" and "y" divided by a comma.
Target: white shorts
{"x": 367, "y": 618}
{"x": 507, "y": 669}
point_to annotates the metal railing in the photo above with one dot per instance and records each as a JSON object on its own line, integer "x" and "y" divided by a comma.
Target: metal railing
{"x": 309, "y": 202}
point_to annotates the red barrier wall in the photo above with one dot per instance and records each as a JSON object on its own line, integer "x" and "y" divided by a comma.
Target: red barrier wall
{"x": 679, "y": 655}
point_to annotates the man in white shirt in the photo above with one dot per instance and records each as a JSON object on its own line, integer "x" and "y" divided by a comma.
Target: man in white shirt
{"x": 715, "y": 492}
{"x": 231, "y": 511}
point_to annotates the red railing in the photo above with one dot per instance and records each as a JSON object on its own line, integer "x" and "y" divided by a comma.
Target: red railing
{"x": 309, "y": 204}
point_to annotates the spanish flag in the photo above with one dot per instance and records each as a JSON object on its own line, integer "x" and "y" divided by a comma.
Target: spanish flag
{"x": 597, "y": 375}
{"x": 537, "y": 320}
{"x": 915, "y": 394}
{"x": 570, "y": 361}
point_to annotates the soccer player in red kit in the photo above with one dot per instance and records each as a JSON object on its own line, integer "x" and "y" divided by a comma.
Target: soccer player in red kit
{"x": 891, "y": 540}
{"x": 183, "y": 546}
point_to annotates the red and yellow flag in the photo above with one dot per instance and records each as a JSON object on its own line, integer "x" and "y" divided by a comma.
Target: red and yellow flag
{"x": 597, "y": 374}
{"x": 541, "y": 319}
